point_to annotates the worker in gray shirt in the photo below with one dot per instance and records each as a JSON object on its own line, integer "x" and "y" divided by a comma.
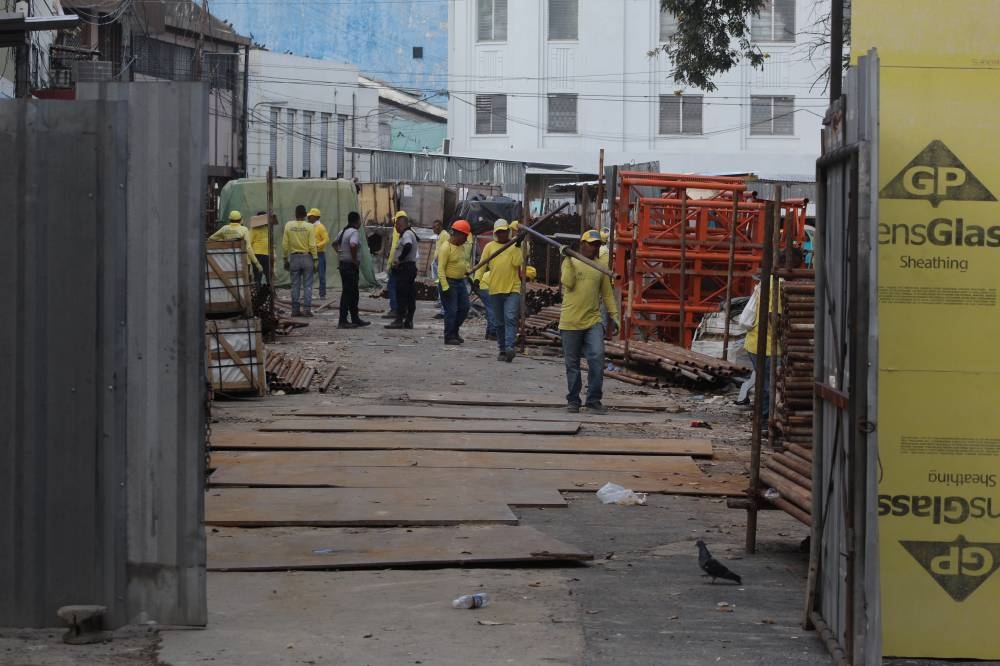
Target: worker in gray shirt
{"x": 404, "y": 266}
{"x": 348, "y": 246}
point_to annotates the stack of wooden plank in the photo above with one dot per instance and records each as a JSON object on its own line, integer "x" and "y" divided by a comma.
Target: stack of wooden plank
{"x": 387, "y": 489}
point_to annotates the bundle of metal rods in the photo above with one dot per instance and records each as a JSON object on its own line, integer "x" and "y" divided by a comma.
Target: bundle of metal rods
{"x": 538, "y": 297}
{"x": 788, "y": 479}
{"x": 288, "y": 374}
{"x": 672, "y": 362}
{"x": 793, "y": 418}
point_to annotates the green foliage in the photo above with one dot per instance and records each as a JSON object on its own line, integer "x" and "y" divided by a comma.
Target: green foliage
{"x": 712, "y": 36}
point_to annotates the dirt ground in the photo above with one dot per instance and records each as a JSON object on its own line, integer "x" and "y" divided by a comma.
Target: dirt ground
{"x": 641, "y": 601}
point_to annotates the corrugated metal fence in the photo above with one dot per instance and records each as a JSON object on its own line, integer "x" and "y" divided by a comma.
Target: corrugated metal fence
{"x": 449, "y": 169}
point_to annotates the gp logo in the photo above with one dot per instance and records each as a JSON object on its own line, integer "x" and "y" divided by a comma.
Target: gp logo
{"x": 936, "y": 174}
{"x": 958, "y": 566}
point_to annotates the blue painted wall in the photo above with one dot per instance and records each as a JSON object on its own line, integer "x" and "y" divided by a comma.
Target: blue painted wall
{"x": 377, "y": 36}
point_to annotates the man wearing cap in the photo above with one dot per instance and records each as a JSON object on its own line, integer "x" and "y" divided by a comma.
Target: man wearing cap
{"x": 605, "y": 253}
{"x": 442, "y": 237}
{"x": 347, "y": 245}
{"x": 404, "y": 265}
{"x": 260, "y": 243}
{"x": 301, "y": 256}
{"x": 581, "y": 325}
{"x": 453, "y": 265}
{"x": 322, "y": 240}
{"x": 393, "y": 312}
{"x": 236, "y": 231}
{"x": 504, "y": 287}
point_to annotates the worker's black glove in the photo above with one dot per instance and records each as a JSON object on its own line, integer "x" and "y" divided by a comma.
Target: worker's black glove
{"x": 286, "y": 265}
{"x": 519, "y": 239}
{"x": 614, "y": 327}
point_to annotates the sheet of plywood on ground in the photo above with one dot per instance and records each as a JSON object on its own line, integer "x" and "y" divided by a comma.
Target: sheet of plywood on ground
{"x": 479, "y": 413}
{"x": 420, "y": 425}
{"x": 225, "y": 437}
{"x": 303, "y": 469}
{"x": 279, "y": 549}
{"x": 350, "y": 507}
{"x": 467, "y": 460}
{"x": 524, "y": 400}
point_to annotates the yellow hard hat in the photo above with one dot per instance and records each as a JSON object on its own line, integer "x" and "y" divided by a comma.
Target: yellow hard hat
{"x": 530, "y": 273}
{"x": 235, "y": 216}
{"x": 605, "y": 234}
{"x": 314, "y": 212}
{"x": 514, "y": 226}
{"x": 501, "y": 225}
{"x": 591, "y": 236}
{"x": 399, "y": 214}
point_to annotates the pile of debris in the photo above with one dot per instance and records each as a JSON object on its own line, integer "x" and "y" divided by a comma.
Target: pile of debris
{"x": 542, "y": 328}
{"x": 662, "y": 360}
{"x": 288, "y": 374}
{"x": 540, "y": 296}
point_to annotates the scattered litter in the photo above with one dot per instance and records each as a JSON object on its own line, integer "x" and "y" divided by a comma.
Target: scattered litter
{"x": 367, "y": 636}
{"x": 701, "y": 424}
{"x": 725, "y": 607}
{"x": 767, "y": 620}
{"x": 490, "y": 623}
{"x": 674, "y": 617}
{"x": 323, "y": 551}
{"x": 458, "y": 382}
{"x": 612, "y": 493}
{"x": 771, "y": 494}
{"x": 477, "y": 600}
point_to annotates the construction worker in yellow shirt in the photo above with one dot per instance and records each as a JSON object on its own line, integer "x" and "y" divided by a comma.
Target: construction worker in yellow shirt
{"x": 260, "y": 244}
{"x": 504, "y": 287}
{"x": 391, "y": 286}
{"x": 301, "y": 256}
{"x": 442, "y": 237}
{"x": 453, "y": 265}
{"x": 322, "y": 240}
{"x": 236, "y": 231}
{"x": 605, "y": 253}
{"x": 581, "y": 325}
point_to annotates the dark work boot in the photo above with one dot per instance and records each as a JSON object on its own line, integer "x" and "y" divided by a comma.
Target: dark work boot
{"x": 396, "y": 324}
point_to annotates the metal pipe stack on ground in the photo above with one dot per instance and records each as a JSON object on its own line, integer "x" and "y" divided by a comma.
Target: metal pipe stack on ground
{"x": 288, "y": 374}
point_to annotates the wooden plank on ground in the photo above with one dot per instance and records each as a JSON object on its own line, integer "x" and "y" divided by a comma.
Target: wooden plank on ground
{"x": 278, "y": 469}
{"x": 420, "y": 425}
{"x": 471, "y": 412}
{"x": 526, "y": 400}
{"x": 224, "y": 437}
{"x": 466, "y": 460}
{"x": 350, "y": 507}
{"x": 299, "y": 548}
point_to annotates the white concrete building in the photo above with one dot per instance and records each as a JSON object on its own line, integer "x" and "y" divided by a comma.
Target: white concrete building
{"x": 41, "y": 43}
{"x": 303, "y": 113}
{"x": 556, "y": 80}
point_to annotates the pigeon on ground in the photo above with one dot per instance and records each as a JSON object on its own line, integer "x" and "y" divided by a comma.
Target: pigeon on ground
{"x": 712, "y": 567}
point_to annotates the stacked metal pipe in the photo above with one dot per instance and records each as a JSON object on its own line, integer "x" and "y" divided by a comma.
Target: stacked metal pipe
{"x": 288, "y": 374}
{"x": 793, "y": 418}
{"x": 673, "y": 362}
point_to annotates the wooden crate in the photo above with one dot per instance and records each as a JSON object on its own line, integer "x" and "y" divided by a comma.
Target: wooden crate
{"x": 234, "y": 352}
{"x": 227, "y": 280}
{"x": 377, "y": 203}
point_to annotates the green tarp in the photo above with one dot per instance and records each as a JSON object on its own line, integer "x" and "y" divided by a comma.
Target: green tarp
{"x": 334, "y": 198}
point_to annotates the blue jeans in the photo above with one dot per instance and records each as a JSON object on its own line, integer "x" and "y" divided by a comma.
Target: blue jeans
{"x": 491, "y": 321}
{"x": 300, "y": 266}
{"x": 588, "y": 343}
{"x": 766, "y": 397}
{"x": 456, "y": 307}
{"x": 393, "y": 304}
{"x": 322, "y": 274}
{"x": 506, "y": 308}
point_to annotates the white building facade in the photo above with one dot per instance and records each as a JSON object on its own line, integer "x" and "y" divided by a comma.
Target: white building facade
{"x": 557, "y": 80}
{"x": 304, "y": 113}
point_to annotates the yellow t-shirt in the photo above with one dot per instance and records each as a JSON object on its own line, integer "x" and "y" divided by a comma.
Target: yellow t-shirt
{"x": 236, "y": 231}
{"x": 259, "y": 240}
{"x": 392, "y": 247}
{"x": 750, "y": 342}
{"x": 453, "y": 263}
{"x": 299, "y": 236}
{"x": 583, "y": 290}
{"x": 322, "y": 237}
{"x": 604, "y": 256}
{"x": 505, "y": 269}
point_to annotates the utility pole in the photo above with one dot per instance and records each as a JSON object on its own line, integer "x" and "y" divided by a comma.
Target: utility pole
{"x": 198, "y": 53}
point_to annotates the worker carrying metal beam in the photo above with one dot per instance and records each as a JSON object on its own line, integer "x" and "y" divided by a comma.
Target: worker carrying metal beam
{"x": 581, "y": 325}
{"x": 503, "y": 289}
{"x": 453, "y": 264}
{"x": 236, "y": 231}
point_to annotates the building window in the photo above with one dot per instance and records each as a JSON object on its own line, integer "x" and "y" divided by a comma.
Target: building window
{"x": 772, "y": 116}
{"x": 341, "y": 133}
{"x": 324, "y": 143}
{"x": 492, "y": 20}
{"x": 307, "y": 141}
{"x": 418, "y": 53}
{"x": 275, "y": 120}
{"x": 668, "y": 25}
{"x": 289, "y": 143}
{"x": 562, "y": 114}
{"x": 680, "y": 114}
{"x": 563, "y": 23}
{"x": 491, "y": 114}
{"x": 776, "y": 22}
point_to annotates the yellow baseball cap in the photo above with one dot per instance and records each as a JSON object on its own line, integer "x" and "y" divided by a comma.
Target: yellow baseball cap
{"x": 501, "y": 225}
{"x": 399, "y": 214}
{"x": 314, "y": 212}
{"x": 236, "y": 216}
{"x": 591, "y": 236}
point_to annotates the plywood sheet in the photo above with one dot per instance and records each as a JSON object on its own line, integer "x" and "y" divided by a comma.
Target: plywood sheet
{"x": 278, "y": 469}
{"x": 224, "y": 437}
{"x": 472, "y": 412}
{"x": 465, "y": 460}
{"x": 526, "y": 400}
{"x": 280, "y": 549}
{"x": 420, "y": 425}
{"x": 347, "y": 507}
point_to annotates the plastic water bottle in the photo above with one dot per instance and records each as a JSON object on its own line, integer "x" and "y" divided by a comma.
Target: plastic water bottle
{"x": 477, "y": 600}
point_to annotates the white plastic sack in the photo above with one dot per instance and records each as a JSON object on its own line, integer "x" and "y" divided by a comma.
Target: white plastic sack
{"x": 612, "y": 493}
{"x": 749, "y": 314}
